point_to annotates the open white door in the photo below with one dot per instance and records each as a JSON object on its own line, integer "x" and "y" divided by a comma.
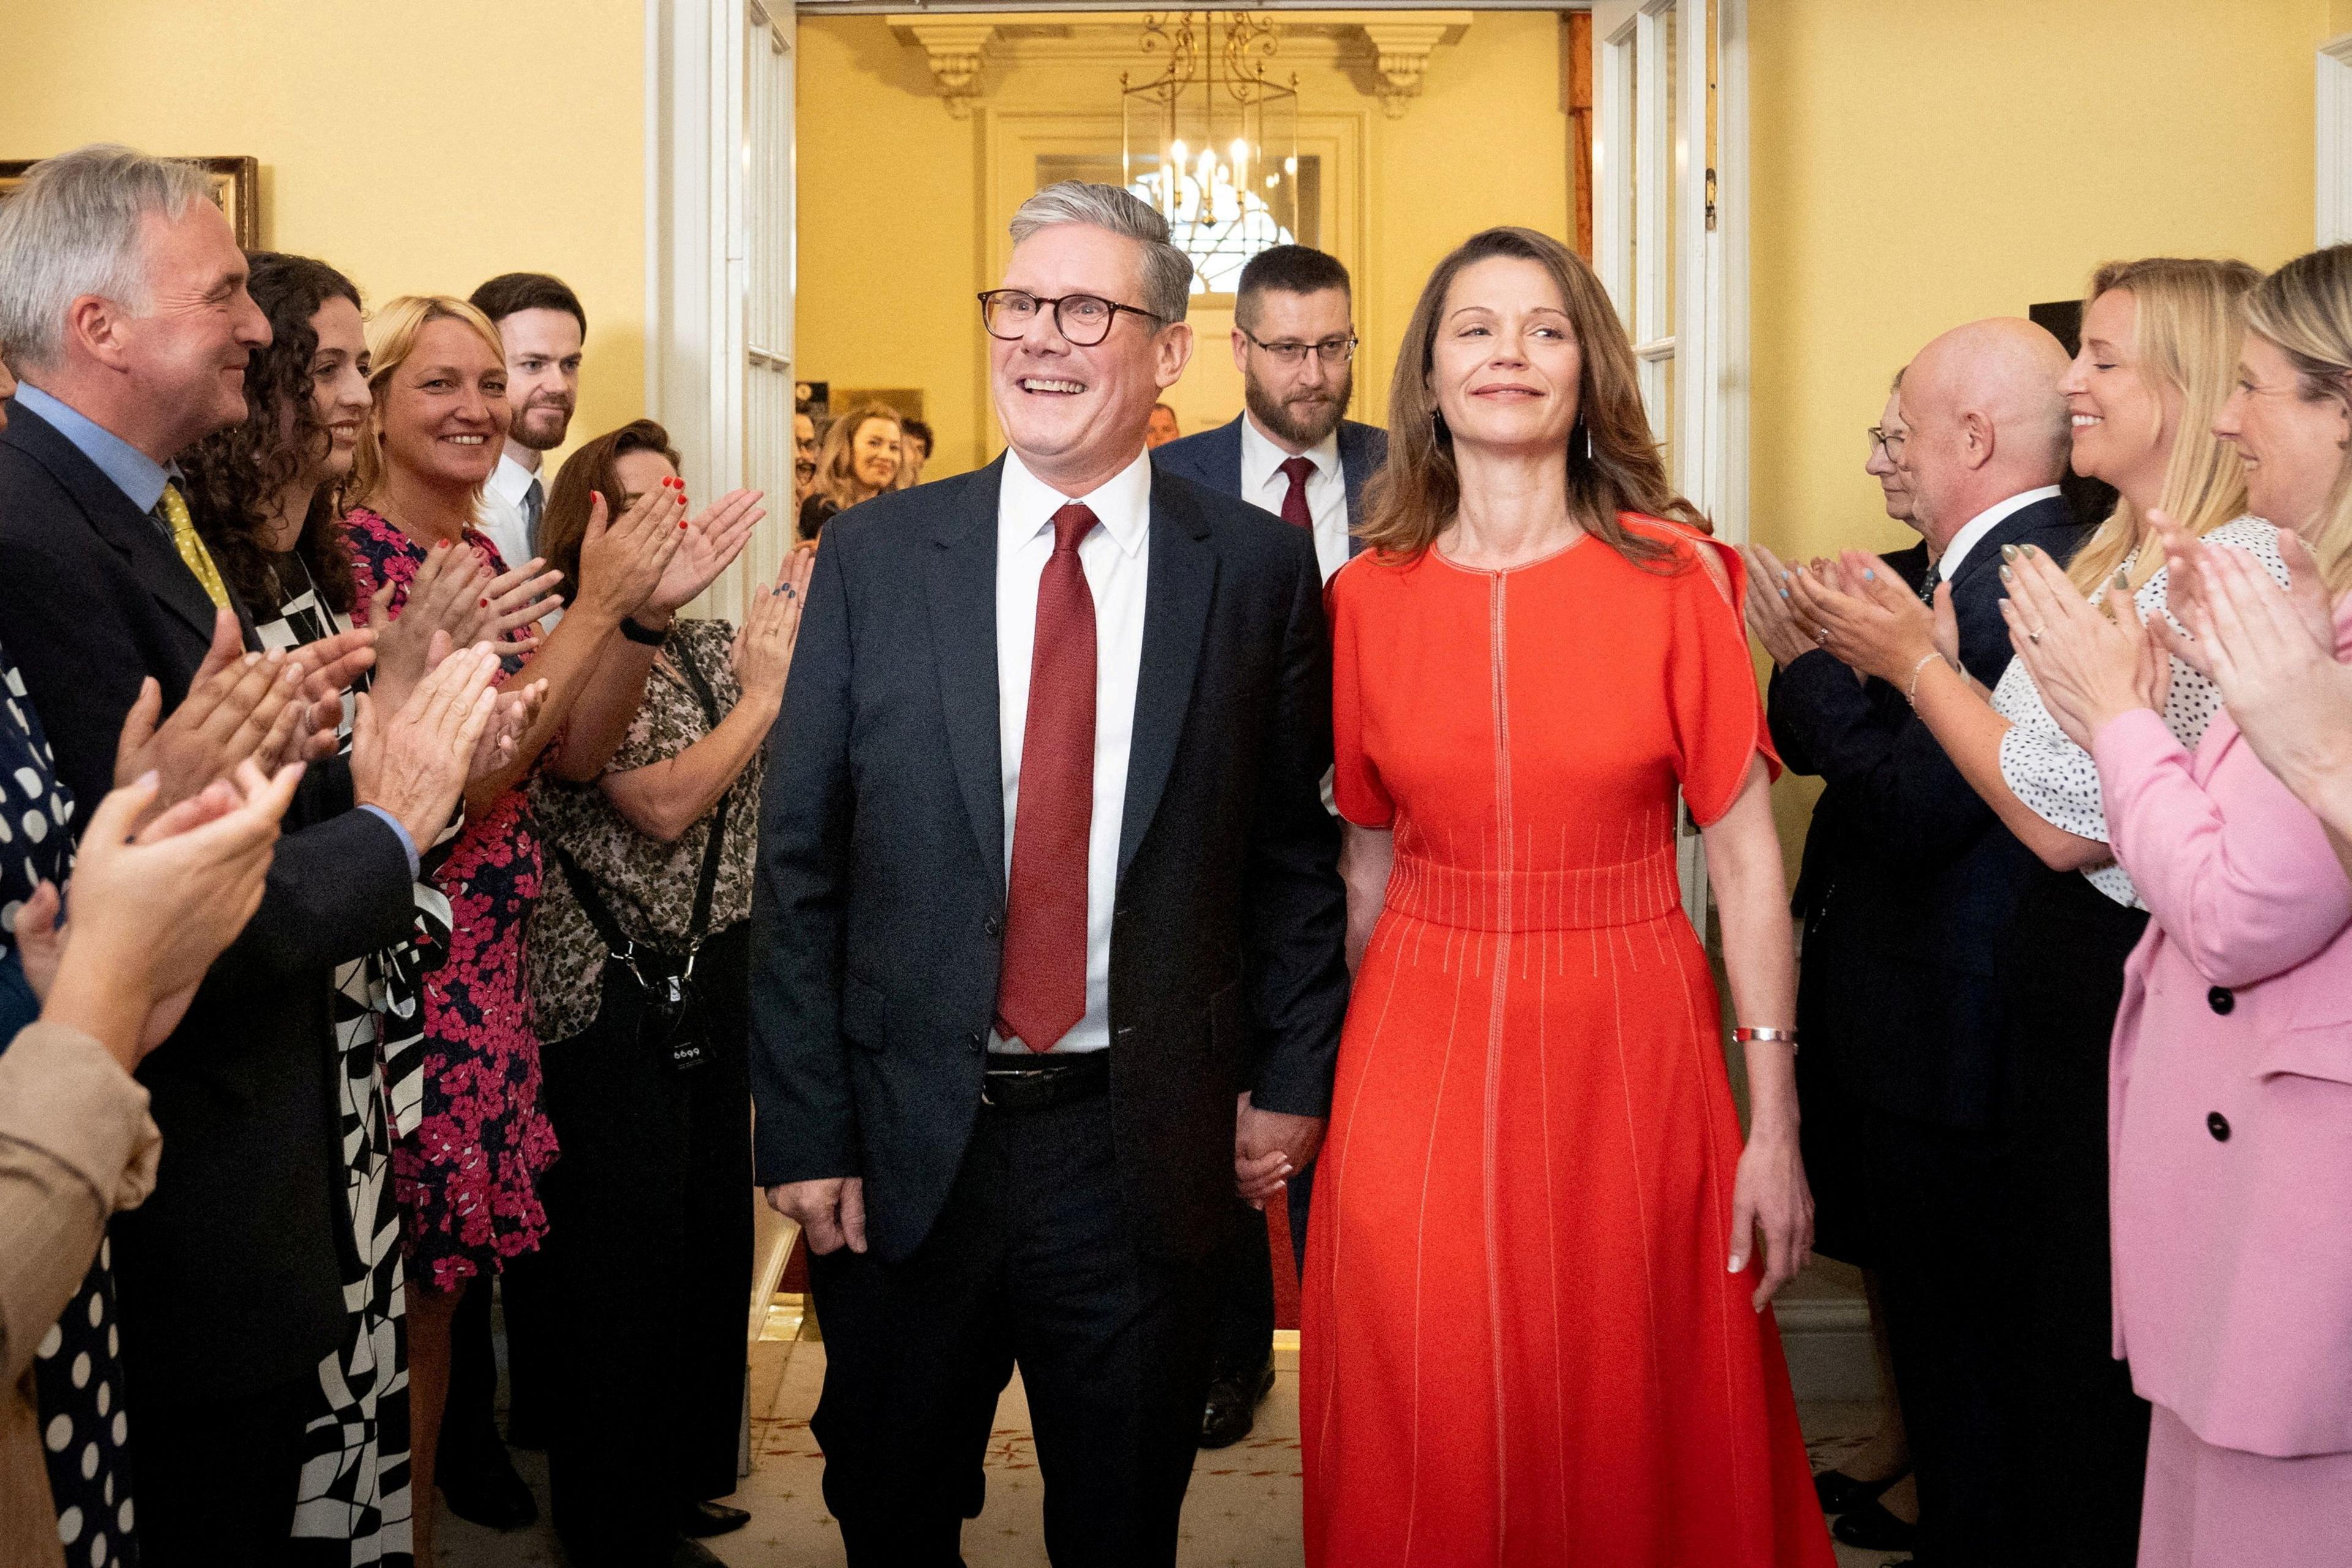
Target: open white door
{"x": 719, "y": 258}
{"x": 1669, "y": 239}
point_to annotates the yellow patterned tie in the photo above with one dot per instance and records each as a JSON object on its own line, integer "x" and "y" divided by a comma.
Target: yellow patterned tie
{"x": 190, "y": 547}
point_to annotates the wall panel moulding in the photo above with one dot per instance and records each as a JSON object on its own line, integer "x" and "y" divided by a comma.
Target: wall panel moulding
{"x": 1388, "y": 51}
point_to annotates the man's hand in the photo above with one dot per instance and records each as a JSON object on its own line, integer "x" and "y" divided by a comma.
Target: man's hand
{"x": 830, "y": 1213}
{"x": 238, "y": 705}
{"x": 1269, "y": 1148}
{"x": 414, "y": 764}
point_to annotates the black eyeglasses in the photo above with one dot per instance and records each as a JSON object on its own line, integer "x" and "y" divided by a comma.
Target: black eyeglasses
{"x": 1888, "y": 441}
{"x": 1290, "y": 356}
{"x": 1084, "y": 320}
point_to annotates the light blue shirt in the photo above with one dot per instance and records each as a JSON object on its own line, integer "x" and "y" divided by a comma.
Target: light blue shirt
{"x": 141, "y": 478}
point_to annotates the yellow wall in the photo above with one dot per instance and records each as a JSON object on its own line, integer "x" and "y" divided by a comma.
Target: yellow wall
{"x": 1916, "y": 166}
{"x": 420, "y": 147}
{"x": 895, "y": 235}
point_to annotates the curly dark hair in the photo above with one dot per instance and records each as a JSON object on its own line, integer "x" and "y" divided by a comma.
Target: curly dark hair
{"x": 232, "y": 475}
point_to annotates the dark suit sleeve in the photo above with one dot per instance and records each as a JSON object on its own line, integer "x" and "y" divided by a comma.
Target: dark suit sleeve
{"x": 807, "y": 1123}
{"x": 1789, "y": 733}
{"x": 337, "y": 890}
{"x": 1298, "y": 905}
{"x": 1904, "y": 794}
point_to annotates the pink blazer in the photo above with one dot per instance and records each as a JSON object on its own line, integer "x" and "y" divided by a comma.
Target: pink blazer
{"x": 2230, "y": 1103}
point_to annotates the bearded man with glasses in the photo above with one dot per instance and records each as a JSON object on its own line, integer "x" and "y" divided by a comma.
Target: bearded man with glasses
{"x": 1292, "y": 451}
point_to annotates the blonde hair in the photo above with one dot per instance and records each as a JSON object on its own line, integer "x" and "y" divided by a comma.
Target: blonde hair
{"x": 391, "y": 337}
{"x": 2188, "y": 324}
{"x": 1413, "y": 497}
{"x": 2305, "y": 308}
{"x": 836, "y": 467}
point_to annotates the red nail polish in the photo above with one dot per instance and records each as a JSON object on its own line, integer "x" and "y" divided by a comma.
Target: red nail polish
{"x": 596, "y": 495}
{"x": 486, "y": 604}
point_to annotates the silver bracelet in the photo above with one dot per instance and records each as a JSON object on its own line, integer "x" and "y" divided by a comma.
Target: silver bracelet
{"x": 1911, "y": 690}
{"x": 1770, "y": 1036}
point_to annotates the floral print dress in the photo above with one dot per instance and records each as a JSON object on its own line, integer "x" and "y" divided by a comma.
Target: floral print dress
{"x": 467, "y": 1177}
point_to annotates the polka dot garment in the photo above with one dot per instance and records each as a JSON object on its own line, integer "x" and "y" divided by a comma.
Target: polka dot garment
{"x": 35, "y": 809}
{"x": 2055, "y": 778}
{"x": 85, "y": 1430}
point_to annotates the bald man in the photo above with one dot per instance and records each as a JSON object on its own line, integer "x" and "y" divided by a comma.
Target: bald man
{"x": 1909, "y": 931}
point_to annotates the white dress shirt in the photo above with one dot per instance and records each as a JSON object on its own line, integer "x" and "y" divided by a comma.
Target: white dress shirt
{"x": 500, "y": 513}
{"x": 1264, "y": 484}
{"x": 1947, "y": 565}
{"x": 1116, "y": 557}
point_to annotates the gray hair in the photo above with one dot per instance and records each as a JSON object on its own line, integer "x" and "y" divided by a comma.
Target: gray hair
{"x": 71, "y": 229}
{"x": 1167, "y": 271}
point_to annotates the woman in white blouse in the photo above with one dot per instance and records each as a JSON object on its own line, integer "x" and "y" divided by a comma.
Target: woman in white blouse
{"x": 2159, "y": 352}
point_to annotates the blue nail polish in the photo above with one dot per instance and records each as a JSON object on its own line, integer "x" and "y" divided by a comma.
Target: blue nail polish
{"x": 1868, "y": 575}
{"x": 1784, "y": 593}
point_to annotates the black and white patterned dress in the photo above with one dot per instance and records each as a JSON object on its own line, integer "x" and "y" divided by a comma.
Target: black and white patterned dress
{"x": 2056, "y": 778}
{"x": 354, "y": 1506}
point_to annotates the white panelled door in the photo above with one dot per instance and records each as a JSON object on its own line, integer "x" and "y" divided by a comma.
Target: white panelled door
{"x": 720, "y": 259}
{"x": 1669, "y": 239}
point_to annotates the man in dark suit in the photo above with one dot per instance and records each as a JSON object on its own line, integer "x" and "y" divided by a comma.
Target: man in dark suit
{"x": 1048, "y": 926}
{"x": 230, "y": 1279}
{"x": 1292, "y": 452}
{"x": 1910, "y": 882}
{"x": 1291, "y": 449}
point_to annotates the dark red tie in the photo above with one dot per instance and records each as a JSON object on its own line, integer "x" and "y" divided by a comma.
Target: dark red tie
{"x": 1294, "y": 505}
{"x": 1040, "y": 993}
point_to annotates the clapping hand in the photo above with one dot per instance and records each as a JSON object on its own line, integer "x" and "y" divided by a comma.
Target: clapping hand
{"x": 763, "y": 652}
{"x": 154, "y": 905}
{"x": 712, "y": 542}
{"x": 621, "y": 563}
{"x": 1868, "y": 616}
{"x": 453, "y": 596}
{"x": 2091, "y": 666}
{"x": 414, "y": 764}
{"x": 238, "y": 705}
{"x": 1269, "y": 1148}
{"x": 1772, "y": 615}
{"x": 2278, "y": 671}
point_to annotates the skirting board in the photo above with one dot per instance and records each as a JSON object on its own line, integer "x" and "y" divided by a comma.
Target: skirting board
{"x": 1828, "y": 1345}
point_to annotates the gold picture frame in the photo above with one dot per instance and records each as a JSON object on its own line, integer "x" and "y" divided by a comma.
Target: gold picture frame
{"x": 235, "y": 188}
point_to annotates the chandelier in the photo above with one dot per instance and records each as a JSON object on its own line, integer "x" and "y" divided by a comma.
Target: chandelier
{"x": 1212, "y": 140}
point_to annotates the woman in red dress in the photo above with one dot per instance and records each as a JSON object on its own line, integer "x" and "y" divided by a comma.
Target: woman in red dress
{"x": 1522, "y": 1343}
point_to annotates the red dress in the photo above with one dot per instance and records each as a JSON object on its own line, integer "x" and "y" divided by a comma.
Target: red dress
{"x": 1519, "y": 1343}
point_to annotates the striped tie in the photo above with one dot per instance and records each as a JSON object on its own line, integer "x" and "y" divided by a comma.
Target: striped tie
{"x": 192, "y": 548}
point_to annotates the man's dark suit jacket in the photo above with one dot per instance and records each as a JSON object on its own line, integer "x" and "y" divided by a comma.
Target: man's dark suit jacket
{"x": 1214, "y": 458}
{"x": 879, "y": 903}
{"x": 1909, "y": 879}
{"x": 230, "y": 1275}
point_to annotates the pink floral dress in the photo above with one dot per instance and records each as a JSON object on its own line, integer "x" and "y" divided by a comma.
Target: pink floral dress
{"x": 467, "y": 1178}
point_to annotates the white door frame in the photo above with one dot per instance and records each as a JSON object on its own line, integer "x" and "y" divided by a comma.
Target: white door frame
{"x": 2333, "y": 206}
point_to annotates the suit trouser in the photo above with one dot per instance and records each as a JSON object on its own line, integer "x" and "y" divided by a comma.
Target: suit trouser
{"x": 217, "y": 1477}
{"x": 1031, "y": 1262}
{"x": 649, "y": 1249}
{"x": 1933, "y": 1215}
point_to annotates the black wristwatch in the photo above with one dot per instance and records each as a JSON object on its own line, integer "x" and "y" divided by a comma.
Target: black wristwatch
{"x": 635, "y": 633}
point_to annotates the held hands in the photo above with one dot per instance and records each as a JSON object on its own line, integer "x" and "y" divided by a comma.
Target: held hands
{"x": 1269, "y": 1148}
{"x": 763, "y": 653}
{"x": 830, "y": 1213}
{"x": 1771, "y": 1209}
{"x": 414, "y": 764}
{"x": 621, "y": 563}
{"x": 152, "y": 909}
{"x": 2091, "y": 666}
{"x": 712, "y": 542}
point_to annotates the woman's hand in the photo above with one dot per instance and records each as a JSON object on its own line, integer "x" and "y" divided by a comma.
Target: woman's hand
{"x": 2290, "y": 696}
{"x": 621, "y": 563}
{"x": 450, "y": 579}
{"x": 415, "y": 765}
{"x": 509, "y": 603}
{"x": 517, "y": 710}
{"x": 763, "y": 653}
{"x": 2091, "y": 668}
{"x": 1865, "y": 616}
{"x": 1771, "y": 1209}
{"x": 712, "y": 542}
{"x": 153, "y": 910}
{"x": 1772, "y": 615}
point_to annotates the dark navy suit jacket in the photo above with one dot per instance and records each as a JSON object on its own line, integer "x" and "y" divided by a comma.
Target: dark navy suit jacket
{"x": 1909, "y": 879}
{"x": 1214, "y": 457}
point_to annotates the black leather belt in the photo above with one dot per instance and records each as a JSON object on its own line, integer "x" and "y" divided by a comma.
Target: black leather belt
{"x": 1031, "y": 1082}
